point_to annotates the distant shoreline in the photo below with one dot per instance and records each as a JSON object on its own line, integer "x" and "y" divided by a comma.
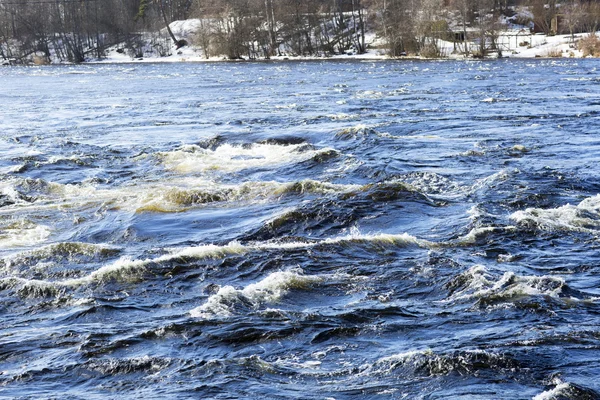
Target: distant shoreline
{"x": 556, "y": 47}
{"x": 297, "y": 60}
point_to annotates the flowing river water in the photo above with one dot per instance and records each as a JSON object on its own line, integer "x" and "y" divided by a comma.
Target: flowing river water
{"x": 310, "y": 230}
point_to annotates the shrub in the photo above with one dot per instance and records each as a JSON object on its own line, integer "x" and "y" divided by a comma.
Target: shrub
{"x": 554, "y": 53}
{"x": 590, "y": 45}
{"x": 432, "y": 51}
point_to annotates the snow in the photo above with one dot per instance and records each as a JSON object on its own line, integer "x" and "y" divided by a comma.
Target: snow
{"x": 188, "y": 28}
{"x": 541, "y": 45}
{"x": 517, "y": 42}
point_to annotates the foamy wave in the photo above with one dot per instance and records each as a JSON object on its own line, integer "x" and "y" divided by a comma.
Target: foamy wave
{"x": 317, "y": 187}
{"x": 23, "y": 233}
{"x": 122, "y": 270}
{"x": 381, "y": 239}
{"x": 490, "y": 180}
{"x": 343, "y": 117}
{"x": 584, "y": 217}
{"x": 566, "y": 390}
{"x": 479, "y": 283}
{"x": 431, "y": 364}
{"x": 71, "y": 191}
{"x": 269, "y": 290}
{"x": 117, "y": 366}
{"x": 178, "y": 196}
{"x": 432, "y": 183}
{"x": 472, "y": 153}
{"x": 369, "y": 94}
{"x": 126, "y": 269}
{"x": 77, "y": 159}
{"x": 61, "y": 251}
{"x": 42, "y": 195}
{"x": 354, "y": 131}
{"x": 31, "y": 287}
{"x": 229, "y": 158}
{"x": 559, "y": 391}
{"x": 205, "y": 251}
{"x": 215, "y": 251}
{"x": 175, "y": 199}
{"x": 9, "y": 195}
{"x": 475, "y": 233}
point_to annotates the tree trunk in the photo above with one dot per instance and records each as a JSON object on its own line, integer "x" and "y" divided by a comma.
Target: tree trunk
{"x": 164, "y": 15}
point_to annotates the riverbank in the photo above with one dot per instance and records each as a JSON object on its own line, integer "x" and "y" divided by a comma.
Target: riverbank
{"x": 514, "y": 44}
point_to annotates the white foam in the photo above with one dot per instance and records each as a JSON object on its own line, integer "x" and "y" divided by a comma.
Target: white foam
{"x": 124, "y": 269}
{"x": 215, "y": 251}
{"x": 75, "y": 191}
{"x": 179, "y": 195}
{"x": 342, "y": 117}
{"x": 69, "y": 195}
{"x": 116, "y": 366}
{"x": 269, "y": 290}
{"x": 478, "y": 282}
{"x": 431, "y": 183}
{"x": 205, "y": 251}
{"x": 559, "y": 391}
{"x": 434, "y": 363}
{"x": 23, "y": 234}
{"x": 31, "y": 287}
{"x": 229, "y": 158}
{"x": 584, "y": 217}
{"x": 488, "y": 181}
{"x": 382, "y": 238}
{"x": 9, "y": 191}
{"x": 52, "y": 250}
{"x": 404, "y": 357}
{"x": 369, "y": 94}
{"x": 192, "y": 192}
{"x": 57, "y": 159}
{"x": 473, "y": 234}
{"x": 295, "y": 363}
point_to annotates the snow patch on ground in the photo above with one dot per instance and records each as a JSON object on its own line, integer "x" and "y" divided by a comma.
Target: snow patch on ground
{"x": 517, "y": 43}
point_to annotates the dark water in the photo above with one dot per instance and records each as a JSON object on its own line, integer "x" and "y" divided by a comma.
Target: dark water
{"x": 385, "y": 230}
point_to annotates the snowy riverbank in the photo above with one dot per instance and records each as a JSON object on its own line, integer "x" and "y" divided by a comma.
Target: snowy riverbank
{"x": 517, "y": 42}
{"x": 513, "y": 44}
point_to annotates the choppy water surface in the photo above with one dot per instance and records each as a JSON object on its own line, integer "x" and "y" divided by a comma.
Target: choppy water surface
{"x": 301, "y": 230}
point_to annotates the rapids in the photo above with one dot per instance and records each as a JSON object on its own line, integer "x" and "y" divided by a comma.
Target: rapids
{"x": 313, "y": 230}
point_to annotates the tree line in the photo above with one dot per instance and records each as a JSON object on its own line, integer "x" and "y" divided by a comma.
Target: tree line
{"x": 76, "y": 30}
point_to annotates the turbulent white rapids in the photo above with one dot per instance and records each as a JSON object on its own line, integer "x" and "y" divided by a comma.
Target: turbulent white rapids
{"x": 339, "y": 230}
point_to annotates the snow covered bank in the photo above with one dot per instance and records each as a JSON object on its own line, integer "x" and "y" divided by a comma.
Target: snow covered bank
{"x": 515, "y": 43}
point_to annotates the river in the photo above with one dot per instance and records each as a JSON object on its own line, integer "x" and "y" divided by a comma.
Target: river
{"x": 310, "y": 230}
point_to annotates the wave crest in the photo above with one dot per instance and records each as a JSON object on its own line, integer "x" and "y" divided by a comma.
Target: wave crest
{"x": 428, "y": 363}
{"x": 584, "y": 217}
{"x": 229, "y": 158}
{"x": 478, "y": 283}
{"x": 269, "y": 290}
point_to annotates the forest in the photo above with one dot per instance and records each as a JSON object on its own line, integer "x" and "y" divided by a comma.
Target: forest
{"x": 79, "y": 30}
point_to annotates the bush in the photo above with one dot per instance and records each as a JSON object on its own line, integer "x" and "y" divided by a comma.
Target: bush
{"x": 432, "y": 51}
{"x": 554, "y": 53}
{"x": 590, "y": 45}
